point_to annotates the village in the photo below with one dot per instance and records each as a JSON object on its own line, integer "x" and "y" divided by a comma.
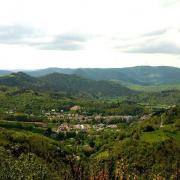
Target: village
{"x": 74, "y": 121}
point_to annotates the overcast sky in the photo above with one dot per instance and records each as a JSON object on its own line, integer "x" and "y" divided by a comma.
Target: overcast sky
{"x": 89, "y": 33}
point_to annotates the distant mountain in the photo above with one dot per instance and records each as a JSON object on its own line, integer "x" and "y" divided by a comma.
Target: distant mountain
{"x": 19, "y": 79}
{"x": 105, "y": 74}
{"x": 44, "y": 72}
{"x": 153, "y": 75}
{"x": 90, "y": 73}
{"x": 140, "y": 75}
{"x": 67, "y": 84}
{"x": 4, "y": 72}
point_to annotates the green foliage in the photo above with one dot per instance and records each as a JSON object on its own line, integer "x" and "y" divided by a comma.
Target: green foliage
{"x": 148, "y": 128}
{"x": 30, "y": 147}
{"x": 65, "y": 85}
{"x": 177, "y": 124}
{"x": 26, "y": 166}
{"x": 127, "y": 151}
{"x": 136, "y": 75}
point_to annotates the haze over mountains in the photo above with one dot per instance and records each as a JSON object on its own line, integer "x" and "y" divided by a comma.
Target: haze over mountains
{"x": 142, "y": 75}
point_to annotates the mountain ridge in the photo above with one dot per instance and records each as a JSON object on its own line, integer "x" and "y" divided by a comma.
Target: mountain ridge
{"x": 67, "y": 84}
{"x": 140, "y": 75}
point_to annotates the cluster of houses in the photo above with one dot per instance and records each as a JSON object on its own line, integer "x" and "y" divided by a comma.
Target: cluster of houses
{"x": 69, "y": 127}
{"x": 74, "y": 115}
{"x": 84, "y": 127}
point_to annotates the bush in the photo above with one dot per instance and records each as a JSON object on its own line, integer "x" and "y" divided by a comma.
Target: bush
{"x": 26, "y": 166}
{"x": 177, "y": 124}
{"x": 148, "y": 128}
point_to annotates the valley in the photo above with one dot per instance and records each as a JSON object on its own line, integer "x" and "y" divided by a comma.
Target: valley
{"x": 68, "y": 127}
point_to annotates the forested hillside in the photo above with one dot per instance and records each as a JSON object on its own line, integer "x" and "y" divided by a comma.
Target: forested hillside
{"x": 141, "y": 75}
{"x": 63, "y": 126}
{"x": 140, "y": 149}
{"x": 65, "y": 84}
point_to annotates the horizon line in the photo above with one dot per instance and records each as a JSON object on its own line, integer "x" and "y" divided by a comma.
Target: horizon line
{"x": 56, "y": 67}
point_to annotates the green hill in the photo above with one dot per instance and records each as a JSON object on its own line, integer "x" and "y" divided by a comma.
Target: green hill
{"x": 154, "y": 75}
{"x": 19, "y": 79}
{"x": 67, "y": 84}
{"x": 4, "y": 72}
{"x": 141, "y": 75}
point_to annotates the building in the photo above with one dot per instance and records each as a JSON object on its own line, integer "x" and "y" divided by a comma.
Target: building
{"x": 75, "y": 108}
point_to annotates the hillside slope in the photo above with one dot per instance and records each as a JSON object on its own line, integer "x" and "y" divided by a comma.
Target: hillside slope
{"x": 142, "y": 75}
{"x": 67, "y": 84}
{"x": 4, "y": 72}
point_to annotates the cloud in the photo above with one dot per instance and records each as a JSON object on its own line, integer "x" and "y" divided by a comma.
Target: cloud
{"x": 157, "y": 47}
{"x": 23, "y": 35}
{"x": 167, "y": 3}
{"x": 163, "y": 41}
{"x": 156, "y": 33}
{"x": 16, "y": 34}
{"x": 65, "y": 42}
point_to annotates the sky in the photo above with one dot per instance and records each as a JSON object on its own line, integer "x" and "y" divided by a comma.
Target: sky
{"x": 38, "y": 34}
